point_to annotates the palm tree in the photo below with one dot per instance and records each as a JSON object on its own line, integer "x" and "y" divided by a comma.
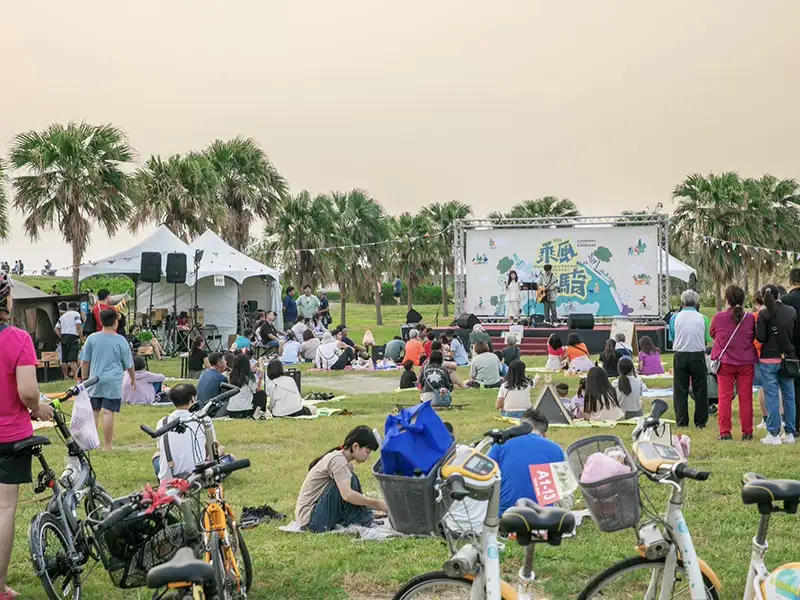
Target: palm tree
{"x": 303, "y": 224}
{"x": 415, "y": 255}
{"x": 74, "y": 180}
{"x": 548, "y": 206}
{"x": 716, "y": 206}
{"x": 443, "y": 216}
{"x": 250, "y": 186}
{"x": 4, "y": 225}
{"x": 181, "y": 192}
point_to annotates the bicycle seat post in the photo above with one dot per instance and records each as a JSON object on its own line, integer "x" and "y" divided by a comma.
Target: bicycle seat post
{"x": 526, "y": 574}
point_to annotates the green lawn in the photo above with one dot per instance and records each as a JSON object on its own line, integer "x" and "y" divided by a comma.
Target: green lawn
{"x": 332, "y": 567}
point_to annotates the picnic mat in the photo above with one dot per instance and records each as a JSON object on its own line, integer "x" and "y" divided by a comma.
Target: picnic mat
{"x": 380, "y": 531}
{"x": 584, "y": 422}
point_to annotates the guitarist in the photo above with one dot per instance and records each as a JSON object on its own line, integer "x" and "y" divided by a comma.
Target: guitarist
{"x": 548, "y": 294}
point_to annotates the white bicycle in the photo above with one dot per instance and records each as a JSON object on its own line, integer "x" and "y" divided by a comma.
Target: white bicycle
{"x": 667, "y": 565}
{"x": 473, "y": 572}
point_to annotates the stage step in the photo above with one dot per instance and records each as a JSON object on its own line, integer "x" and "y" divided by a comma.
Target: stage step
{"x": 529, "y": 346}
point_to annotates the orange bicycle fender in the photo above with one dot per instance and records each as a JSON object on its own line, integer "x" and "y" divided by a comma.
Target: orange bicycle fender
{"x": 506, "y": 591}
{"x": 709, "y": 573}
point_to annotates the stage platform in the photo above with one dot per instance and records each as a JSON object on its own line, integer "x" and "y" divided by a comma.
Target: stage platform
{"x": 535, "y": 339}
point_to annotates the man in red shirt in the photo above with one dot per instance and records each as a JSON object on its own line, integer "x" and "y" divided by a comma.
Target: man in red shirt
{"x": 19, "y": 393}
{"x": 101, "y": 305}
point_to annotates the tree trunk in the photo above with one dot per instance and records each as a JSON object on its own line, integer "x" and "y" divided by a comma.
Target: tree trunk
{"x": 343, "y": 303}
{"x": 410, "y": 292}
{"x": 76, "y": 260}
{"x": 445, "y": 312}
{"x": 746, "y": 284}
{"x": 756, "y": 286}
{"x": 718, "y": 292}
{"x": 378, "y": 311}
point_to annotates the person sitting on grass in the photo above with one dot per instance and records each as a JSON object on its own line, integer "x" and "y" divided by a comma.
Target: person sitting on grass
{"x": 622, "y": 348}
{"x": 395, "y": 348}
{"x": 414, "y": 349}
{"x": 145, "y": 390}
{"x": 485, "y": 368}
{"x": 610, "y": 358}
{"x": 208, "y": 386}
{"x": 511, "y": 351}
{"x": 562, "y": 389}
{"x": 333, "y": 354}
{"x": 343, "y": 337}
{"x": 629, "y": 389}
{"x": 434, "y": 378}
{"x": 284, "y": 397}
{"x": 514, "y": 396}
{"x": 479, "y": 335}
{"x": 251, "y": 394}
{"x": 308, "y": 349}
{"x": 457, "y": 350}
{"x": 600, "y": 401}
{"x": 428, "y": 343}
{"x": 578, "y": 354}
{"x": 331, "y": 493}
{"x": 198, "y": 358}
{"x": 268, "y": 332}
{"x": 649, "y": 358}
{"x": 408, "y": 380}
{"x": 179, "y": 453}
{"x": 556, "y": 355}
{"x": 244, "y": 342}
{"x": 503, "y": 366}
{"x": 291, "y": 350}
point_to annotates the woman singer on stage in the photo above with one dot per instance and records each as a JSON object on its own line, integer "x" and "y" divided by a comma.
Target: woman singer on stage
{"x": 512, "y": 295}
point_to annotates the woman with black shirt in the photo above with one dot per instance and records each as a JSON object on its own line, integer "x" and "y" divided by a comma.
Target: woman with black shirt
{"x": 198, "y": 358}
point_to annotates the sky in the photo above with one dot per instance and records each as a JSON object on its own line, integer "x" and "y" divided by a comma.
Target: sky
{"x": 608, "y": 103}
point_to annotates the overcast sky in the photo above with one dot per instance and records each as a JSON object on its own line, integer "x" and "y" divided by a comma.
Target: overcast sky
{"x": 609, "y": 103}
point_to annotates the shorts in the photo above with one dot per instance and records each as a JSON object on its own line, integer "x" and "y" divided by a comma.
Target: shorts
{"x": 110, "y": 404}
{"x": 15, "y": 469}
{"x": 69, "y": 348}
{"x": 273, "y": 344}
{"x": 396, "y": 294}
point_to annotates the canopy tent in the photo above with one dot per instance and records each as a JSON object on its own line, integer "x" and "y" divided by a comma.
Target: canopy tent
{"x": 225, "y": 278}
{"x": 677, "y": 268}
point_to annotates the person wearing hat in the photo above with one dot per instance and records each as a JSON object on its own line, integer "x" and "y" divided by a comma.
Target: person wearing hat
{"x": 479, "y": 335}
{"x": 548, "y": 281}
{"x": 324, "y": 309}
{"x": 307, "y": 304}
{"x": 332, "y": 354}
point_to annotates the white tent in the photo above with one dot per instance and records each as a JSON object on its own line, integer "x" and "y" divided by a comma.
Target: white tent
{"x": 677, "y": 268}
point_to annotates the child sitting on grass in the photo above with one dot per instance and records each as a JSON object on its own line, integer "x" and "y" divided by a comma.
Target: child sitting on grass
{"x": 562, "y": 389}
{"x": 408, "y": 379}
{"x": 649, "y": 358}
{"x": 555, "y": 353}
{"x": 629, "y": 389}
{"x": 576, "y": 405}
{"x": 600, "y": 402}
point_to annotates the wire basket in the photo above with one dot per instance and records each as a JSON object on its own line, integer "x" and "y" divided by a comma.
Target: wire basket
{"x": 413, "y": 502}
{"x": 139, "y": 542}
{"x": 613, "y": 502}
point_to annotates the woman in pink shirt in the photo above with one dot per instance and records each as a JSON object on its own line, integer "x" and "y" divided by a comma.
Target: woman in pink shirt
{"x": 19, "y": 393}
{"x": 734, "y": 331}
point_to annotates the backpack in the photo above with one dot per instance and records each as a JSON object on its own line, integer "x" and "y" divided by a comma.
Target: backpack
{"x": 168, "y": 451}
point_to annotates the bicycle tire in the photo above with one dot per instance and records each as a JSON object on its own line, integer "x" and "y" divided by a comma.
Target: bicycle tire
{"x": 215, "y": 545}
{"x": 433, "y": 582}
{"x": 40, "y": 525}
{"x": 240, "y": 549}
{"x": 595, "y": 587}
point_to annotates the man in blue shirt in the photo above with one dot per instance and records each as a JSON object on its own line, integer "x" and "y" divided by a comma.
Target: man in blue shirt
{"x": 289, "y": 309}
{"x": 208, "y": 384}
{"x": 107, "y": 356}
{"x": 398, "y": 288}
{"x": 516, "y": 456}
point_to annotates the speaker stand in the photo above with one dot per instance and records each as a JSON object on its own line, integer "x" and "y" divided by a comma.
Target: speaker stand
{"x": 150, "y": 311}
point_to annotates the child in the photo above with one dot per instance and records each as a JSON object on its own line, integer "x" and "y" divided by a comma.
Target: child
{"x": 563, "y": 394}
{"x": 610, "y": 358}
{"x": 331, "y": 493}
{"x": 408, "y": 379}
{"x": 427, "y": 346}
{"x": 514, "y": 396}
{"x": 621, "y": 347}
{"x": 578, "y": 400}
{"x": 290, "y": 354}
{"x": 578, "y": 354}
{"x": 555, "y": 353}
{"x": 146, "y": 384}
{"x": 629, "y": 389}
{"x": 600, "y": 402}
{"x": 649, "y": 358}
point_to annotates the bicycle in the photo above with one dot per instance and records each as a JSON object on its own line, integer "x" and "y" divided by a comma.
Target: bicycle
{"x": 667, "y": 564}
{"x": 59, "y": 544}
{"x": 223, "y": 540}
{"x": 473, "y": 572}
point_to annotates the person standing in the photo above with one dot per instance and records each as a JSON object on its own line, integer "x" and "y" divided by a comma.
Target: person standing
{"x": 549, "y": 282}
{"x": 775, "y": 330}
{"x": 69, "y": 330}
{"x": 512, "y": 295}
{"x": 793, "y": 299}
{"x": 19, "y": 393}
{"x": 107, "y": 355}
{"x": 688, "y": 328}
{"x": 307, "y": 305}
{"x": 398, "y": 288}
{"x": 325, "y": 308}
{"x": 734, "y": 332}
{"x": 289, "y": 309}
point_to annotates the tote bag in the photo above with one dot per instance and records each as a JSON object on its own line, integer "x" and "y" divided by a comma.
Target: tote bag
{"x": 414, "y": 439}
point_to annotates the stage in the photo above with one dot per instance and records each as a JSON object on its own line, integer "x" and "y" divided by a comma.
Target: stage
{"x": 535, "y": 339}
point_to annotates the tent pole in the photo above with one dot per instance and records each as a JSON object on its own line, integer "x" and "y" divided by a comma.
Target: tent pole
{"x": 150, "y": 311}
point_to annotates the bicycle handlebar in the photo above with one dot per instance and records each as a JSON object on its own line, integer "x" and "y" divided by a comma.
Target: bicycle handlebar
{"x": 166, "y": 428}
{"x": 684, "y": 471}
{"x": 501, "y": 436}
{"x": 234, "y": 465}
{"x": 75, "y": 390}
{"x": 652, "y": 420}
{"x": 115, "y": 517}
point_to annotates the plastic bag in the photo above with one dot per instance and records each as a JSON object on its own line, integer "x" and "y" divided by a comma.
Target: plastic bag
{"x": 82, "y": 426}
{"x": 414, "y": 439}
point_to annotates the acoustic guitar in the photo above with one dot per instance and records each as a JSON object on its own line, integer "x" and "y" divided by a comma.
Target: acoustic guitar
{"x": 541, "y": 293}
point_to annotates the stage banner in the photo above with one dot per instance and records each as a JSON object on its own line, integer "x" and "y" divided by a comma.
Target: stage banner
{"x": 606, "y": 271}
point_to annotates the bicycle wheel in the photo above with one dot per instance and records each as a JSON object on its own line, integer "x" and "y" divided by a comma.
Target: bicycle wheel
{"x": 435, "y": 585}
{"x": 640, "y": 578}
{"x": 215, "y": 550}
{"x": 241, "y": 554}
{"x": 97, "y": 497}
{"x": 60, "y": 579}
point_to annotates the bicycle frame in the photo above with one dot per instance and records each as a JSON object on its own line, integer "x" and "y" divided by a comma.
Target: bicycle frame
{"x": 757, "y": 571}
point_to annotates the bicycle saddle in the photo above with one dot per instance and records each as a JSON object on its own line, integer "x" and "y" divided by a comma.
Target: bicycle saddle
{"x": 529, "y": 517}
{"x": 28, "y": 443}
{"x": 183, "y": 567}
{"x": 759, "y": 490}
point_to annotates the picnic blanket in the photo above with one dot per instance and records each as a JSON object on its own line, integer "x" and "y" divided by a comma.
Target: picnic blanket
{"x": 657, "y": 393}
{"x": 583, "y": 422}
{"x": 380, "y": 531}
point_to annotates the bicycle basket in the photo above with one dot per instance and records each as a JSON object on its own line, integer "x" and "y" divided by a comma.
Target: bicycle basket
{"x": 613, "y": 502}
{"x": 412, "y": 501}
{"x": 139, "y": 542}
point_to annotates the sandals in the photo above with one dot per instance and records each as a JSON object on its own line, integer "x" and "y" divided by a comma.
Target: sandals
{"x": 9, "y": 594}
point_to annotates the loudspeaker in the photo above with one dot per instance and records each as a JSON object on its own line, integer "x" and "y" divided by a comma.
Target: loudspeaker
{"x": 413, "y": 317}
{"x": 467, "y": 321}
{"x": 252, "y": 307}
{"x": 176, "y": 267}
{"x": 580, "y": 321}
{"x": 297, "y": 375}
{"x": 150, "y": 270}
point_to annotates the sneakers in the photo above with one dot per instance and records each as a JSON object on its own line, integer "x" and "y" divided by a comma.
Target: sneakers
{"x": 762, "y": 425}
{"x": 747, "y": 437}
{"x": 725, "y": 437}
{"x": 787, "y": 438}
{"x": 773, "y": 440}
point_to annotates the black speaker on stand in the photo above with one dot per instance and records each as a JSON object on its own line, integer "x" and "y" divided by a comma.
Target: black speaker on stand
{"x": 580, "y": 321}
{"x": 467, "y": 321}
{"x": 176, "y": 273}
{"x": 150, "y": 272}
